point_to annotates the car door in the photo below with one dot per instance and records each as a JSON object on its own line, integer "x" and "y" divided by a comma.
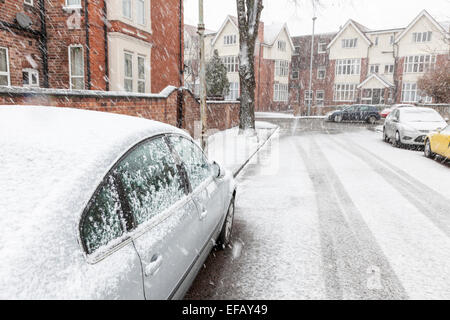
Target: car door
{"x": 165, "y": 219}
{"x": 205, "y": 189}
{"x": 347, "y": 113}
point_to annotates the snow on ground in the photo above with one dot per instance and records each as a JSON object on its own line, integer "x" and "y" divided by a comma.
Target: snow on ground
{"x": 344, "y": 216}
{"x": 279, "y": 115}
{"x": 232, "y": 150}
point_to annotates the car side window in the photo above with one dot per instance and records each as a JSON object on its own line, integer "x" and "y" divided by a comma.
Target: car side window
{"x": 197, "y": 167}
{"x": 150, "y": 180}
{"x": 103, "y": 218}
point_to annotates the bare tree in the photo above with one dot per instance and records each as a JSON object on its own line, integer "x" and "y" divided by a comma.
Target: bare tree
{"x": 436, "y": 82}
{"x": 249, "y": 14}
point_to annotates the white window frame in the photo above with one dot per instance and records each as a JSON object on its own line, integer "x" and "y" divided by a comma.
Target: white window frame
{"x": 282, "y": 68}
{"x": 349, "y": 43}
{"x": 7, "y": 73}
{"x": 280, "y": 92}
{"x": 70, "y": 66}
{"x": 231, "y": 63}
{"x": 389, "y": 67}
{"x": 282, "y": 45}
{"x": 324, "y": 75}
{"x": 348, "y": 67}
{"x": 374, "y": 68}
{"x": 30, "y": 73}
{"x": 233, "y": 93}
{"x": 29, "y": 2}
{"x": 230, "y": 40}
{"x": 420, "y": 37}
{"x": 411, "y": 93}
{"x": 125, "y": 77}
{"x": 72, "y": 6}
{"x": 345, "y": 92}
{"x": 323, "y": 50}
{"x": 309, "y": 95}
{"x": 130, "y": 2}
{"x": 419, "y": 63}
{"x": 320, "y": 101}
{"x": 141, "y": 80}
{"x": 143, "y": 13}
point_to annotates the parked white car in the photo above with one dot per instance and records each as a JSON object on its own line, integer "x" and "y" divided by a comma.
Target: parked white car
{"x": 411, "y": 125}
{"x": 104, "y": 206}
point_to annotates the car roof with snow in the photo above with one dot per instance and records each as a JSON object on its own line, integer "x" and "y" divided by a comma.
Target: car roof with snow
{"x": 46, "y": 150}
{"x": 51, "y": 162}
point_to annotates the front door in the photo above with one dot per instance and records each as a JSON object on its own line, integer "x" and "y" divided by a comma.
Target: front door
{"x": 166, "y": 229}
{"x": 205, "y": 190}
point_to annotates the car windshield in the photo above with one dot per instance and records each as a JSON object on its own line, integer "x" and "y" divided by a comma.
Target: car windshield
{"x": 421, "y": 116}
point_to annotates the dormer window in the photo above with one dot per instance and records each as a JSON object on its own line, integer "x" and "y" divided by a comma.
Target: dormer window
{"x": 349, "y": 43}
{"x": 422, "y": 36}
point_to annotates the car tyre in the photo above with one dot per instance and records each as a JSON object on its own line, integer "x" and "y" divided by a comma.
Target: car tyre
{"x": 227, "y": 228}
{"x": 338, "y": 118}
{"x": 385, "y": 137}
{"x": 372, "y": 120}
{"x": 397, "y": 140}
{"x": 427, "y": 150}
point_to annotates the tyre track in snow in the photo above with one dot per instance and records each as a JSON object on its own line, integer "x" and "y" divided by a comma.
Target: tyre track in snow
{"x": 433, "y": 205}
{"x": 350, "y": 252}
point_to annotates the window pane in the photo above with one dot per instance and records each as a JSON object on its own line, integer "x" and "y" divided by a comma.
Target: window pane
{"x": 78, "y": 83}
{"x": 197, "y": 167}
{"x": 3, "y": 61}
{"x": 141, "y": 68}
{"x": 26, "y": 79}
{"x": 150, "y": 180}
{"x": 3, "y": 80}
{"x": 126, "y": 8}
{"x": 76, "y": 61}
{"x": 102, "y": 222}
{"x": 140, "y": 9}
{"x": 128, "y": 85}
{"x": 128, "y": 65}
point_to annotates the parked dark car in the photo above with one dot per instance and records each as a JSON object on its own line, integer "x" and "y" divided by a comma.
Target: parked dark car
{"x": 358, "y": 112}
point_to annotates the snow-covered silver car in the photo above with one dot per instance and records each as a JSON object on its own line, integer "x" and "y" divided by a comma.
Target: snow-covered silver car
{"x": 411, "y": 125}
{"x": 103, "y": 206}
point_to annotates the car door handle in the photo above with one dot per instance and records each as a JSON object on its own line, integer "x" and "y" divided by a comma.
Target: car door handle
{"x": 203, "y": 215}
{"x": 154, "y": 266}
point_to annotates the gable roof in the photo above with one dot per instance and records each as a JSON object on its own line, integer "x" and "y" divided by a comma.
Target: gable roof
{"x": 425, "y": 14}
{"x": 273, "y": 31}
{"x": 383, "y": 81}
{"x": 232, "y": 20}
{"x": 359, "y": 28}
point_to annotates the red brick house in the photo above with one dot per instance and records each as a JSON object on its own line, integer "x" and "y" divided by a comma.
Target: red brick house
{"x": 120, "y": 45}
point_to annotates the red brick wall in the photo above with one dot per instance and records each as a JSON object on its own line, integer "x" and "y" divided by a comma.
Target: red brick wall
{"x": 221, "y": 115}
{"x": 166, "y": 44}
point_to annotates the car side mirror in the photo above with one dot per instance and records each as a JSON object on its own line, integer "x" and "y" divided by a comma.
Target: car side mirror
{"x": 217, "y": 170}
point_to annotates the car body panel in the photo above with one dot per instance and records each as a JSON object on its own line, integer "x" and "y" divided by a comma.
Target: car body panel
{"x": 440, "y": 142}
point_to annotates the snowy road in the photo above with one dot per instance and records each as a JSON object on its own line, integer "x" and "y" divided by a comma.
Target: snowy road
{"x": 332, "y": 212}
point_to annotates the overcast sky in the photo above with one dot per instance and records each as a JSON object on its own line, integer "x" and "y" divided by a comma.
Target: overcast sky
{"x": 374, "y": 14}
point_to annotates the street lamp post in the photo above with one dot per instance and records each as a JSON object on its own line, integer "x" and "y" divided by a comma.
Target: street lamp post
{"x": 202, "y": 76}
{"x": 310, "y": 96}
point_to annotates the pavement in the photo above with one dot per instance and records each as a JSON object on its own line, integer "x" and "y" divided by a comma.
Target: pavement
{"x": 330, "y": 211}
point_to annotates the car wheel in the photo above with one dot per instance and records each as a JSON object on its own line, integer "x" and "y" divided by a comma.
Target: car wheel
{"x": 372, "y": 120}
{"x": 338, "y": 118}
{"x": 427, "y": 150}
{"x": 397, "y": 141}
{"x": 227, "y": 228}
{"x": 385, "y": 137}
